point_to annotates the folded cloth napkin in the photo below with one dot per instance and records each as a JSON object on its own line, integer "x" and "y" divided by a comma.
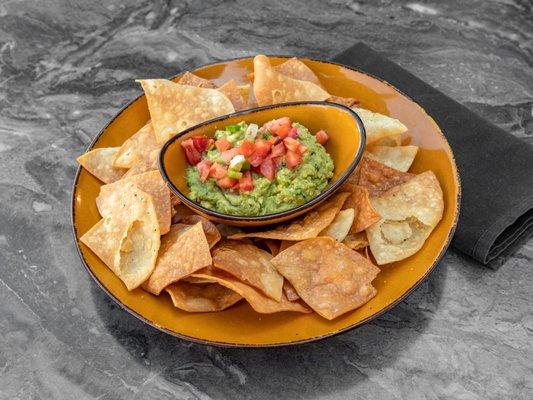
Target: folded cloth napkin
{"x": 496, "y": 168}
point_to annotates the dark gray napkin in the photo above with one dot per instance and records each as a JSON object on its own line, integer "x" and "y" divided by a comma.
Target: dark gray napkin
{"x": 496, "y": 168}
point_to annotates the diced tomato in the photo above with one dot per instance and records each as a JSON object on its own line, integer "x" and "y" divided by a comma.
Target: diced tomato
{"x": 274, "y": 139}
{"x": 291, "y": 144}
{"x": 293, "y": 159}
{"x": 227, "y": 182}
{"x": 246, "y": 148}
{"x": 278, "y": 150}
{"x": 201, "y": 143}
{"x": 293, "y": 133}
{"x": 218, "y": 171}
{"x": 268, "y": 168}
{"x": 277, "y": 161}
{"x": 222, "y": 144}
{"x": 321, "y": 137}
{"x": 245, "y": 183}
{"x": 192, "y": 154}
{"x": 302, "y": 148}
{"x": 229, "y": 154}
{"x": 261, "y": 150}
{"x": 279, "y": 127}
{"x": 204, "y": 168}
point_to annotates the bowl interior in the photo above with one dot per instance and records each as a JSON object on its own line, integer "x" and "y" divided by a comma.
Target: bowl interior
{"x": 344, "y": 145}
{"x": 240, "y": 325}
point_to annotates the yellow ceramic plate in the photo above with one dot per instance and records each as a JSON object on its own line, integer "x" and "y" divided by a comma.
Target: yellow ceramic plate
{"x": 240, "y": 325}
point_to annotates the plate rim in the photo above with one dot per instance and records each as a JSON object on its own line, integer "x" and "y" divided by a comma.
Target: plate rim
{"x": 277, "y": 344}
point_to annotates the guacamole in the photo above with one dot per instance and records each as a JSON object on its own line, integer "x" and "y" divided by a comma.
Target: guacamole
{"x": 251, "y": 171}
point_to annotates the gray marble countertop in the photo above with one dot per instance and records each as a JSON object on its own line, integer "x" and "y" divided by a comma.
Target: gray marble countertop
{"x": 66, "y": 66}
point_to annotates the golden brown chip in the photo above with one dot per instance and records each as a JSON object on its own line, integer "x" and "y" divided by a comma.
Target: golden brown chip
{"x": 297, "y": 69}
{"x": 249, "y": 264}
{"x": 174, "y": 107}
{"x": 259, "y": 302}
{"x": 150, "y": 182}
{"x": 184, "y": 250}
{"x": 400, "y": 157}
{"x": 273, "y": 246}
{"x": 146, "y": 164}
{"x": 378, "y": 126}
{"x": 377, "y": 178}
{"x": 245, "y": 93}
{"x": 409, "y": 213}
{"x": 190, "y": 79}
{"x": 365, "y": 215}
{"x": 272, "y": 87}
{"x": 128, "y": 240}
{"x": 289, "y": 291}
{"x": 232, "y": 92}
{"x": 202, "y": 298}
{"x": 211, "y": 232}
{"x": 389, "y": 141}
{"x": 136, "y": 148}
{"x": 331, "y": 278}
{"x": 309, "y": 226}
{"x": 99, "y": 162}
{"x": 356, "y": 241}
{"x": 340, "y": 226}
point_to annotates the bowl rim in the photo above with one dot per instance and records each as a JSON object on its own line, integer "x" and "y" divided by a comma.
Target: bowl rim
{"x": 324, "y": 195}
{"x": 300, "y": 342}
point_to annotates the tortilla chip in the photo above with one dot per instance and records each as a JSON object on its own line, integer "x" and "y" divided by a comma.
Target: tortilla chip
{"x": 297, "y": 69}
{"x": 306, "y": 227}
{"x": 378, "y": 126}
{"x": 147, "y": 164}
{"x": 136, "y": 148}
{"x": 211, "y": 232}
{"x": 340, "y": 226}
{"x": 259, "y": 302}
{"x": 345, "y": 101}
{"x": 273, "y": 246}
{"x": 128, "y": 240}
{"x": 149, "y": 182}
{"x": 174, "y": 107}
{"x": 356, "y": 241}
{"x": 331, "y": 278}
{"x": 399, "y": 158}
{"x": 184, "y": 250}
{"x": 251, "y": 265}
{"x": 232, "y": 92}
{"x": 377, "y": 178}
{"x": 289, "y": 291}
{"x": 365, "y": 215}
{"x": 201, "y": 298}
{"x": 190, "y": 79}
{"x": 389, "y": 141}
{"x": 245, "y": 92}
{"x": 99, "y": 162}
{"x": 271, "y": 87}
{"x": 409, "y": 214}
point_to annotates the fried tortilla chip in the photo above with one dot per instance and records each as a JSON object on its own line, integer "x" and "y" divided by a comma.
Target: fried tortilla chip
{"x": 365, "y": 215}
{"x": 211, "y": 232}
{"x": 409, "y": 213}
{"x": 296, "y": 69}
{"x": 331, "y": 278}
{"x": 400, "y": 157}
{"x": 128, "y": 240}
{"x": 245, "y": 92}
{"x": 99, "y": 162}
{"x": 190, "y": 79}
{"x": 289, "y": 291}
{"x": 202, "y": 298}
{"x": 174, "y": 107}
{"x": 184, "y": 250}
{"x": 378, "y": 126}
{"x": 377, "y": 178}
{"x": 273, "y": 246}
{"x": 306, "y": 227}
{"x": 340, "y": 226}
{"x": 251, "y": 265}
{"x": 146, "y": 164}
{"x": 389, "y": 141}
{"x": 259, "y": 302}
{"x": 356, "y": 241}
{"x": 272, "y": 87}
{"x": 232, "y": 92}
{"x": 149, "y": 182}
{"x": 136, "y": 148}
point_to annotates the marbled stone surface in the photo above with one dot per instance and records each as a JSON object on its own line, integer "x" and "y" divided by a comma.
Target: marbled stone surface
{"x": 66, "y": 66}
